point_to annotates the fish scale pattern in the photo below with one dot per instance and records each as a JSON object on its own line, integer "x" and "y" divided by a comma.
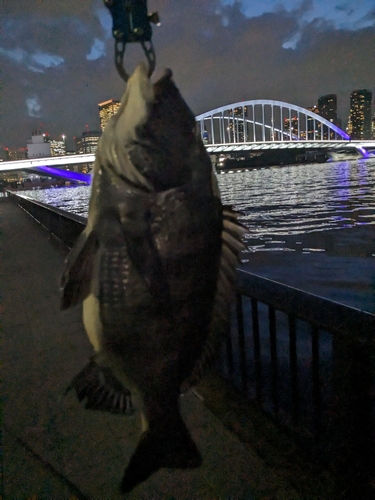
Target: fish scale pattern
{"x": 114, "y": 288}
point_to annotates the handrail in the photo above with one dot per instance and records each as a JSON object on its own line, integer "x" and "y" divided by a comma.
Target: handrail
{"x": 63, "y": 225}
{"x": 51, "y": 208}
{"x": 328, "y": 315}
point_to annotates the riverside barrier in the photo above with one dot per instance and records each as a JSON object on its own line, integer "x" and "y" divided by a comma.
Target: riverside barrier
{"x": 63, "y": 225}
{"x": 306, "y": 362}
{"x": 309, "y": 363}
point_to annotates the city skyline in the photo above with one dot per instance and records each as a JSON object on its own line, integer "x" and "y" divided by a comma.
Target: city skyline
{"x": 326, "y": 106}
{"x": 57, "y": 59}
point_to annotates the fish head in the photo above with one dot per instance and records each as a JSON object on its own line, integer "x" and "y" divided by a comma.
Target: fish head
{"x": 153, "y": 137}
{"x": 166, "y": 139}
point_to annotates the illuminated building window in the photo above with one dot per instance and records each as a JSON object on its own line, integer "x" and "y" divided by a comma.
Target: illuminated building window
{"x": 360, "y": 114}
{"x": 58, "y": 148}
{"x": 236, "y": 125}
{"x": 106, "y": 110}
{"x": 89, "y": 142}
{"x": 327, "y": 105}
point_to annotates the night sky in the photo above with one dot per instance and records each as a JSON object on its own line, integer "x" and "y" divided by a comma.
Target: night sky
{"x": 57, "y": 57}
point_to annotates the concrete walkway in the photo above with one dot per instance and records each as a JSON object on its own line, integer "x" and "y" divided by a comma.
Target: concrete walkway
{"x": 52, "y": 447}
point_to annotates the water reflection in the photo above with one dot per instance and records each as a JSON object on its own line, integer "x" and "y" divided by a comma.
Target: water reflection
{"x": 277, "y": 203}
{"x": 301, "y": 199}
{"x": 74, "y": 199}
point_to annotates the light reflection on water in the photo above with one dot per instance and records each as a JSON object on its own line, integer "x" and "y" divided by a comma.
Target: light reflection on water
{"x": 73, "y": 199}
{"x": 299, "y": 199}
{"x": 276, "y": 202}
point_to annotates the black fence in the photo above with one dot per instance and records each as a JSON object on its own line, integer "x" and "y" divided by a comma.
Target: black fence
{"x": 307, "y": 362}
{"x": 65, "y": 226}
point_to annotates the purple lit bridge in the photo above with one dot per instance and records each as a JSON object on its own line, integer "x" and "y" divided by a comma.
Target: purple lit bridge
{"x": 48, "y": 166}
{"x": 242, "y": 127}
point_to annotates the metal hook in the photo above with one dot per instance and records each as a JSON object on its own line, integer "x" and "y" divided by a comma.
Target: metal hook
{"x": 120, "y": 47}
{"x": 131, "y": 23}
{"x": 149, "y": 51}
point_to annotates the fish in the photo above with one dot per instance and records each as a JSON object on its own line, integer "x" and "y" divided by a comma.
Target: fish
{"x": 154, "y": 270}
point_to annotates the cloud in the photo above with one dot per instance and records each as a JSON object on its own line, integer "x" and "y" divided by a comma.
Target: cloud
{"x": 225, "y": 21}
{"x": 52, "y": 27}
{"x": 105, "y": 20}
{"x": 33, "y": 107}
{"x": 345, "y": 8}
{"x": 18, "y": 55}
{"x": 41, "y": 59}
{"x": 352, "y": 15}
{"x": 47, "y": 60}
{"x": 35, "y": 70}
{"x": 253, "y": 9}
{"x": 97, "y": 50}
{"x": 292, "y": 42}
{"x": 368, "y": 20}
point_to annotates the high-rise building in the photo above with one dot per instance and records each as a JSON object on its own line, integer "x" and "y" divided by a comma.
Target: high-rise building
{"x": 327, "y": 105}
{"x": 313, "y": 126}
{"x": 360, "y": 114}
{"x": 236, "y": 127}
{"x": 89, "y": 142}
{"x": 106, "y": 110}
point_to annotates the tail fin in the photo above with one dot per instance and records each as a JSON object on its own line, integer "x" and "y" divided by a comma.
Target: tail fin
{"x": 171, "y": 447}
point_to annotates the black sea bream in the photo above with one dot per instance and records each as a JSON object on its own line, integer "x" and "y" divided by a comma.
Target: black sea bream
{"x": 154, "y": 269}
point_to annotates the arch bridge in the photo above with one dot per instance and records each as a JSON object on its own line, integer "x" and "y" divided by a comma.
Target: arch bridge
{"x": 242, "y": 126}
{"x": 266, "y": 121}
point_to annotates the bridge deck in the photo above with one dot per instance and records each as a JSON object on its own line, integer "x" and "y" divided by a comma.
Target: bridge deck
{"x": 52, "y": 447}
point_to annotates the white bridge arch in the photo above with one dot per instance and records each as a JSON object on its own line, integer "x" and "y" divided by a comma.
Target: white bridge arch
{"x": 263, "y": 120}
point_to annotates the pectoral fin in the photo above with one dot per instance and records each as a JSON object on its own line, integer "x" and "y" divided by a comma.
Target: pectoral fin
{"x": 76, "y": 280}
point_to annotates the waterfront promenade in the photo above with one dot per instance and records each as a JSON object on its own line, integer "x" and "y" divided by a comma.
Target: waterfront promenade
{"x": 55, "y": 449}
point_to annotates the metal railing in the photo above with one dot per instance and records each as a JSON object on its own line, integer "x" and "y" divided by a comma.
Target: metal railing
{"x": 65, "y": 226}
{"x": 306, "y": 361}
{"x": 310, "y": 364}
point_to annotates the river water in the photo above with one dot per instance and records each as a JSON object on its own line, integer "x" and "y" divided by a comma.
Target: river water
{"x": 311, "y": 226}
